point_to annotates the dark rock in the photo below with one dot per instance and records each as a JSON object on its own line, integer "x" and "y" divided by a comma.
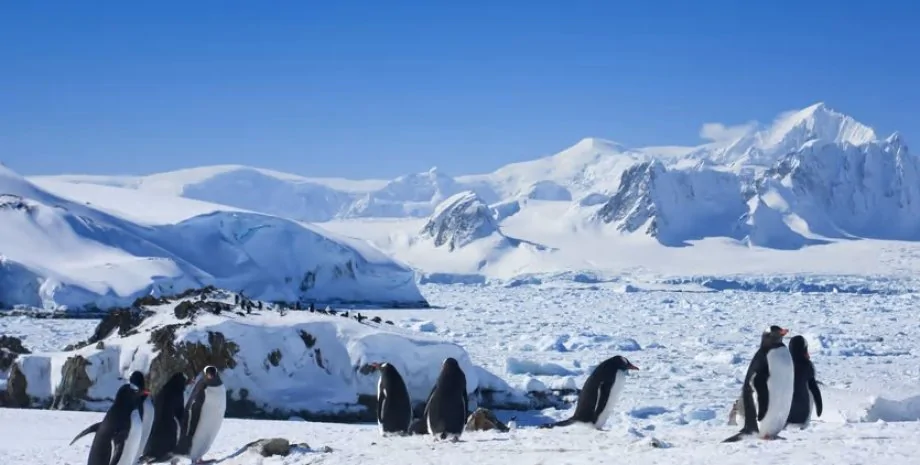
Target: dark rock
{"x": 16, "y": 385}
{"x": 124, "y": 320}
{"x": 189, "y": 308}
{"x": 150, "y": 301}
{"x": 10, "y": 349}
{"x": 274, "y": 357}
{"x": 308, "y": 339}
{"x": 484, "y": 420}
{"x": 190, "y": 358}
{"x": 377, "y": 319}
{"x": 388, "y": 322}
{"x": 75, "y": 384}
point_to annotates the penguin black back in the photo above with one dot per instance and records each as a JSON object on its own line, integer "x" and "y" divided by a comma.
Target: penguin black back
{"x": 805, "y": 383}
{"x": 595, "y": 394}
{"x": 448, "y": 403}
{"x": 112, "y": 432}
{"x": 394, "y": 408}
{"x": 169, "y": 407}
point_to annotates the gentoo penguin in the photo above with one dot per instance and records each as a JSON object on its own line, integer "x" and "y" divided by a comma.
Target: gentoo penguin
{"x": 204, "y": 414}
{"x": 767, "y": 389}
{"x": 118, "y": 435}
{"x": 394, "y": 409}
{"x": 145, "y": 408}
{"x": 169, "y": 408}
{"x": 448, "y": 404}
{"x": 600, "y": 393}
{"x": 806, "y": 390}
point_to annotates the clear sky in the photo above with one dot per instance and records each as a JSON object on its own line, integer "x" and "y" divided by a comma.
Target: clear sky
{"x": 345, "y": 89}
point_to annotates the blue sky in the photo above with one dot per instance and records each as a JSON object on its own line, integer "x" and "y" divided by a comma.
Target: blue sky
{"x": 342, "y": 89}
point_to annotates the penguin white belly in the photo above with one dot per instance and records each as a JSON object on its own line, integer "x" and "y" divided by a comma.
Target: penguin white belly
{"x": 612, "y": 399}
{"x": 780, "y": 386}
{"x": 212, "y": 415}
{"x": 811, "y": 408}
{"x": 146, "y": 426}
{"x": 132, "y": 443}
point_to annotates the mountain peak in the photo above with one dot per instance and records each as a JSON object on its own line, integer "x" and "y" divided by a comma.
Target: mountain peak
{"x": 818, "y": 121}
{"x": 596, "y": 144}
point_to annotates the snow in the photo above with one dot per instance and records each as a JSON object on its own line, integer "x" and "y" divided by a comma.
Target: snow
{"x": 64, "y": 251}
{"x": 692, "y": 349}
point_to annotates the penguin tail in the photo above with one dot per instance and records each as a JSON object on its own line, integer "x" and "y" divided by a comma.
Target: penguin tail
{"x": 91, "y": 429}
{"x": 566, "y": 422}
{"x": 738, "y": 437}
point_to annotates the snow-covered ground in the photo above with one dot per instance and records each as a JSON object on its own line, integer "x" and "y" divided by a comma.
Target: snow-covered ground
{"x": 692, "y": 348}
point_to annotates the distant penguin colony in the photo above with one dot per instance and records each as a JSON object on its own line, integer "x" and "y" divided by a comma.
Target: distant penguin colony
{"x": 779, "y": 390}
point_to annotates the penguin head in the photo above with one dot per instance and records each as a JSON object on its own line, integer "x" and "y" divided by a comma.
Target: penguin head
{"x": 622, "y": 363}
{"x": 451, "y": 363}
{"x": 798, "y": 347}
{"x": 211, "y": 376}
{"x": 126, "y": 396}
{"x": 138, "y": 383}
{"x": 773, "y": 335}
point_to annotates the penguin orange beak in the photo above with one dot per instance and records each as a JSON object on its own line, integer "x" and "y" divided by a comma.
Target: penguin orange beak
{"x": 631, "y": 367}
{"x": 146, "y": 392}
{"x": 783, "y": 332}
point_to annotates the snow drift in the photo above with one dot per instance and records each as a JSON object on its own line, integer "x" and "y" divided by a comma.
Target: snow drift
{"x": 56, "y": 253}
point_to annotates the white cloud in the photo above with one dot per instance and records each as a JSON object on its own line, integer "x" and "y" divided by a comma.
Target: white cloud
{"x": 718, "y": 132}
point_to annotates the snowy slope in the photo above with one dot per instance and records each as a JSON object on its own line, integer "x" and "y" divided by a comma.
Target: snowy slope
{"x": 60, "y": 252}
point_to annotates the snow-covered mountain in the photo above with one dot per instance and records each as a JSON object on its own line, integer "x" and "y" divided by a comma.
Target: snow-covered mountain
{"x": 106, "y": 246}
{"x": 812, "y": 176}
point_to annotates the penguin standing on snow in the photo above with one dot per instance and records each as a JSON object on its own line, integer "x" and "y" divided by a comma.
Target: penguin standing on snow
{"x": 394, "y": 409}
{"x": 169, "y": 408}
{"x": 448, "y": 404}
{"x": 768, "y": 386}
{"x": 118, "y": 435}
{"x": 145, "y": 408}
{"x": 806, "y": 392}
{"x": 204, "y": 414}
{"x": 600, "y": 393}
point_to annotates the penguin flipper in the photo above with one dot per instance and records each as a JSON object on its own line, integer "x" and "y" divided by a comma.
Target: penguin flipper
{"x": 816, "y": 394}
{"x": 603, "y": 393}
{"x": 118, "y": 440}
{"x": 90, "y": 429}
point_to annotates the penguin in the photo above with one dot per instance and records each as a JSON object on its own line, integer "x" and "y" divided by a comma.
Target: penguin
{"x": 118, "y": 435}
{"x": 806, "y": 391}
{"x": 599, "y": 394}
{"x": 768, "y": 387}
{"x": 145, "y": 408}
{"x": 394, "y": 408}
{"x": 169, "y": 408}
{"x": 204, "y": 414}
{"x": 448, "y": 404}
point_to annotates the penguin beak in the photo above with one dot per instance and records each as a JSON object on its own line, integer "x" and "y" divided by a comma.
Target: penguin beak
{"x": 630, "y": 366}
{"x": 783, "y": 332}
{"x": 146, "y": 392}
{"x": 807, "y": 356}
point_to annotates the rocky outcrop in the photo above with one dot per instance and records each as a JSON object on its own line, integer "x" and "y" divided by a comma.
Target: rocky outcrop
{"x": 308, "y": 364}
{"x": 10, "y": 349}
{"x": 484, "y": 420}
{"x": 460, "y": 220}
